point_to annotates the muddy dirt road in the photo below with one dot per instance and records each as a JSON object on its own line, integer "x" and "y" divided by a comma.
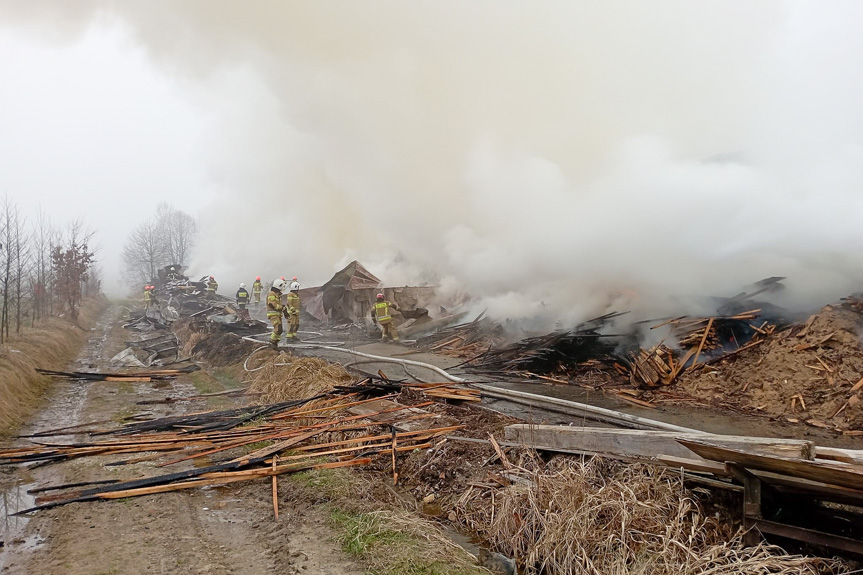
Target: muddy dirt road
{"x": 218, "y": 531}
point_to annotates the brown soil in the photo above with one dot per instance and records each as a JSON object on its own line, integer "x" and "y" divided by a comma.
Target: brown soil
{"x": 772, "y": 377}
{"x": 218, "y": 531}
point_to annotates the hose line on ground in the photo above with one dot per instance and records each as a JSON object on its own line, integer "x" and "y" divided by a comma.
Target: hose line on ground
{"x": 381, "y": 358}
{"x": 246, "y": 363}
{"x": 385, "y": 359}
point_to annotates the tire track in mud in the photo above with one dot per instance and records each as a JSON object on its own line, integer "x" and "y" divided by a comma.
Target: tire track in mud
{"x": 218, "y": 531}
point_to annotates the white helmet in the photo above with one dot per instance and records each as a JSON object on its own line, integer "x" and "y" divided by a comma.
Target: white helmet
{"x": 242, "y": 284}
{"x": 280, "y": 284}
{"x": 295, "y": 286}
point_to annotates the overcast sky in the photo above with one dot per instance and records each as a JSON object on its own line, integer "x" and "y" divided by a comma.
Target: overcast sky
{"x": 92, "y": 129}
{"x": 560, "y": 152}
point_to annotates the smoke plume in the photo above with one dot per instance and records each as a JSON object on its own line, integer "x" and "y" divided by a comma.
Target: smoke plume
{"x": 553, "y": 158}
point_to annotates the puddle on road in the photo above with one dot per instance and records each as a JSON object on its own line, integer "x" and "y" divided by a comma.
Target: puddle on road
{"x": 14, "y": 498}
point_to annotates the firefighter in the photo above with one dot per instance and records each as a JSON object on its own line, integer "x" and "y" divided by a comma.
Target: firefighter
{"x": 257, "y": 288}
{"x": 212, "y": 286}
{"x": 154, "y": 301}
{"x": 293, "y": 311}
{"x": 242, "y": 297}
{"x": 381, "y": 316}
{"x": 147, "y": 296}
{"x": 275, "y": 310}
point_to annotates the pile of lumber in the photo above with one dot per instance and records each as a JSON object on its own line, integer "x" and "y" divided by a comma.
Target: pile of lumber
{"x": 345, "y": 428}
{"x": 713, "y": 338}
{"x": 465, "y": 340}
{"x": 135, "y": 376}
{"x": 447, "y": 391}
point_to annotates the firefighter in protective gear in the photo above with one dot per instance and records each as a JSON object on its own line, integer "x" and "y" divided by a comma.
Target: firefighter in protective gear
{"x": 292, "y": 311}
{"x": 381, "y": 316}
{"x": 243, "y": 300}
{"x": 242, "y": 296}
{"x": 257, "y": 288}
{"x": 150, "y": 301}
{"x": 275, "y": 310}
{"x": 212, "y": 286}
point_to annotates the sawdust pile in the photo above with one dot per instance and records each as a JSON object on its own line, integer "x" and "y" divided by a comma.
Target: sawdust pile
{"x": 600, "y": 517}
{"x": 285, "y": 377}
{"x": 805, "y": 373}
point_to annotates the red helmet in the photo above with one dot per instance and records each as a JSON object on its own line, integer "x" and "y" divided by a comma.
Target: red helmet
{"x": 380, "y": 296}
{"x": 295, "y": 278}
{"x": 257, "y": 278}
{"x": 212, "y": 278}
{"x": 282, "y": 278}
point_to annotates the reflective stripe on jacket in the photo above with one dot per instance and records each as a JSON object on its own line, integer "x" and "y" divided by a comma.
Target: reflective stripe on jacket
{"x": 293, "y": 303}
{"x": 382, "y": 312}
{"x": 257, "y": 287}
{"x": 274, "y": 303}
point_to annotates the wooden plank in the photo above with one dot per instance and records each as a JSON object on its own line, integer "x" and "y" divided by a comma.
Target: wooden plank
{"x": 275, "y": 489}
{"x": 842, "y": 474}
{"x": 691, "y": 464}
{"x": 701, "y": 345}
{"x": 809, "y": 535}
{"x": 838, "y": 454}
{"x": 373, "y": 410}
{"x": 813, "y": 489}
{"x": 645, "y": 444}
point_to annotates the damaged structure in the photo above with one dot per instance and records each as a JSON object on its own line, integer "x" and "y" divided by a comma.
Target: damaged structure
{"x": 349, "y": 295}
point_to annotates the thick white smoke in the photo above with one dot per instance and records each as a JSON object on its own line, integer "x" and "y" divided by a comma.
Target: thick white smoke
{"x": 553, "y": 158}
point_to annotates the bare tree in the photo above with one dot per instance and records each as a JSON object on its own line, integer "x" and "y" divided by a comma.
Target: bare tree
{"x": 178, "y": 231}
{"x": 166, "y": 239}
{"x": 44, "y": 237}
{"x": 11, "y": 253}
{"x": 144, "y": 252}
{"x": 5, "y": 265}
{"x": 71, "y": 262}
{"x": 22, "y": 264}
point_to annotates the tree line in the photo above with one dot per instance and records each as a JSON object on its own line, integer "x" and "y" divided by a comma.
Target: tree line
{"x": 45, "y": 270}
{"x": 166, "y": 238}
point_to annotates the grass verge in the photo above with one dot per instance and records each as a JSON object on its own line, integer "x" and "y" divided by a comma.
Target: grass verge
{"x": 50, "y": 344}
{"x": 387, "y": 538}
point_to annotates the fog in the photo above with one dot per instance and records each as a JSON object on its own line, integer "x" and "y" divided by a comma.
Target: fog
{"x": 554, "y": 159}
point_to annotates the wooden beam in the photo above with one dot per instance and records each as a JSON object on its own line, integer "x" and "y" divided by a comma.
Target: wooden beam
{"x": 842, "y": 474}
{"x": 809, "y": 536}
{"x": 643, "y": 444}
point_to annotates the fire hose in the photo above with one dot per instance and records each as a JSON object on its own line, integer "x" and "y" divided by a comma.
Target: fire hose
{"x": 383, "y": 359}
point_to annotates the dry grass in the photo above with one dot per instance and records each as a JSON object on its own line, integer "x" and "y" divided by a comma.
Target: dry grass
{"x": 51, "y": 344}
{"x": 285, "y": 377}
{"x": 601, "y": 518}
